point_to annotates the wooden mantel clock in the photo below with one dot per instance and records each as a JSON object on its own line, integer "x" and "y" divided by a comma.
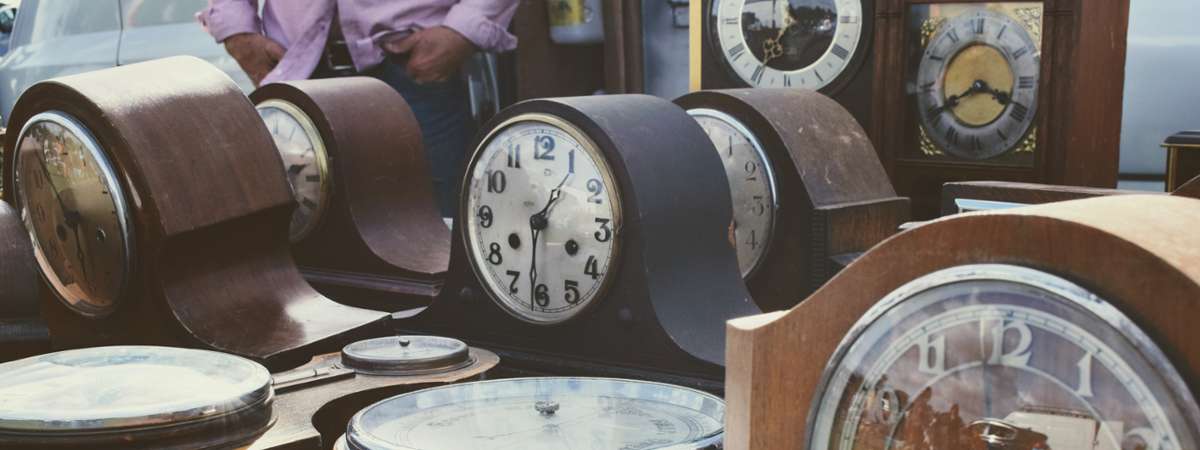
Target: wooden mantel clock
{"x": 593, "y": 239}
{"x": 1066, "y": 325}
{"x": 999, "y": 90}
{"x": 809, "y": 191}
{"x": 823, "y": 45}
{"x": 365, "y": 221}
{"x": 158, "y": 214}
{"x": 22, "y": 330}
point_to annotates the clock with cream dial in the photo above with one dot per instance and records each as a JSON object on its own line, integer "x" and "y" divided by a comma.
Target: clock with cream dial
{"x": 304, "y": 158}
{"x": 543, "y": 218}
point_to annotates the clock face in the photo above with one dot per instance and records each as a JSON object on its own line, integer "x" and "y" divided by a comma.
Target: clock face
{"x": 977, "y": 84}
{"x": 75, "y": 212}
{"x": 787, "y": 43}
{"x": 751, "y": 183}
{"x": 1003, "y": 354}
{"x": 543, "y": 218}
{"x": 305, "y": 160}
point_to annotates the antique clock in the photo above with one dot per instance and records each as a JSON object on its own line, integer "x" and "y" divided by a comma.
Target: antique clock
{"x": 809, "y": 193}
{"x": 365, "y": 220}
{"x": 820, "y": 45}
{"x": 113, "y": 172}
{"x": 593, "y": 240}
{"x": 25, "y": 332}
{"x": 999, "y": 90}
{"x": 1064, "y": 325}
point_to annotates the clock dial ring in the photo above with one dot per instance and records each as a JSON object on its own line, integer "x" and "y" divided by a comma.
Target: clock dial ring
{"x": 489, "y": 151}
{"x": 309, "y": 211}
{"x": 74, "y": 135}
{"x": 1012, "y": 320}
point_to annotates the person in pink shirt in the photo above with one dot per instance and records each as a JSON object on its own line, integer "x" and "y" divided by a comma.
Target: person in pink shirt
{"x": 416, "y": 46}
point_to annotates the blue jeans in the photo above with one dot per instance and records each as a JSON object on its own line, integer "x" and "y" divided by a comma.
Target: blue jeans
{"x": 446, "y": 126}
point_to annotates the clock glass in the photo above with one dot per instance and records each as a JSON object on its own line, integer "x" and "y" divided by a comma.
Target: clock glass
{"x": 975, "y": 71}
{"x": 787, "y": 43}
{"x": 544, "y": 218}
{"x": 751, "y": 183}
{"x": 997, "y": 356}
{"x": 75, "y": 211}
{"x": 305, "y": 160}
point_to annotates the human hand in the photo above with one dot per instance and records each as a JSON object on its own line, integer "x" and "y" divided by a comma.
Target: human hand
{"x": 255, "y": 53}
{"x": 434, "y": 54}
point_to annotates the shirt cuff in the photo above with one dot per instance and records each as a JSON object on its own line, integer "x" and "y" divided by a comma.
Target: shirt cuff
{"x": 477, "y": 28}
{"x": 227, "y": 20}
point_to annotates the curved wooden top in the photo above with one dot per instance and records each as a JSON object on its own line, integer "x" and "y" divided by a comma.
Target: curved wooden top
{"x": 1139, "y": 252}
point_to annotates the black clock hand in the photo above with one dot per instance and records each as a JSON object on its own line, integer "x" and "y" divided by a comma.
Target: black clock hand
{"x": 75, "y": 221}
{"x": 537, "y": 223}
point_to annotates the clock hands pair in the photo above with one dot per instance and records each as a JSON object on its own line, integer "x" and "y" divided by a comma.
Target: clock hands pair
{"x": 978, "y": 87}
{"x": 71, "y": 218}
{"x": 773, "y": 47}
{"x": 537, "y": 223}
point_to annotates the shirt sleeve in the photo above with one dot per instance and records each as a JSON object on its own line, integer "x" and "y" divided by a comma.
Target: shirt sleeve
{"x": 225, "y": 18}
{"x": 484, "y": 22}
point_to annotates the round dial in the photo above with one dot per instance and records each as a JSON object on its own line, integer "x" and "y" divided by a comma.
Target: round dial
{"x": 75, "y": 212}
{"x": 977, "y": 84}
{"x": 542, "y": 413}
{"x": 544, "y": 218}
{"x": 305, "y": 160}
{"x": 994, "y": 354}
{"x": 787, "y": 43}
{"x": 751, "y": 183}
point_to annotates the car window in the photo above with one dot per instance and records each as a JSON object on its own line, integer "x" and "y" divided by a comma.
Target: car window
{"x": 148, "y": 13}
{"x": 57, "y": 18}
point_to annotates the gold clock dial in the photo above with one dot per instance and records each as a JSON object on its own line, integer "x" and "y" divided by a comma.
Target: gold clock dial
{"x": 543, "y": 218}
{"x": 75, "y": 212}
{"x": 304, "y": 158}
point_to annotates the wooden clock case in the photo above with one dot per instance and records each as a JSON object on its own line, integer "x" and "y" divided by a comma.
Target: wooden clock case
{"x": 382, "y": 243}
{"x": 776, "y": 360}
{"x": 677, "y": 279}
{"x": 22, "y": 330}
{"x": 209, "y": 213}
{"x": 1079, "y": 106}
{"x": 835, "y": 200}
{"x": 1036, "y": 194}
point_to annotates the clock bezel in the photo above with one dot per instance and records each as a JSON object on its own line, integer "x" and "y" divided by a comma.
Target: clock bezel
{"x": 309, "y": 126}
{"x": 768, "y": 168}
{"x": 107, "y": 173}
{"x": 603, "y": 166}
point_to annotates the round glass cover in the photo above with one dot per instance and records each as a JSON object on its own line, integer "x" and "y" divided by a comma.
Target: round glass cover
{"x": 406, "y": 355}
{"x": 304, "y": 158}
{"x": 75, "y": 212}
{"x": 996, "y": 356}
{"x": 101, "y": 389}
{"x": 542, "y": 413}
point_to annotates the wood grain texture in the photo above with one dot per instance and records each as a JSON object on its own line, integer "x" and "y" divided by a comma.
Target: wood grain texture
{"x": 1139, "y": 252}
{"x": 210, "y": 210}
{"x": 22, "y": 330}
{"x": 382, "y": 220}
{"x": 1024, "y": 193}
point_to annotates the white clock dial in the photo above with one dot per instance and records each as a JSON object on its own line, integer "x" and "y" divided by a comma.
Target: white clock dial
{"x": 788, "y": 43}
{"x": 305, "y": 160}
{"x": 543, "y": 218}
{"x": 977, "y": 85}
{"x": 751, "y": 185}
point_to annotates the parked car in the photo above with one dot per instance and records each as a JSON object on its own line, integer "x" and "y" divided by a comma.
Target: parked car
{"x": 61, "y": 37}
{"x": 8, "y": 17}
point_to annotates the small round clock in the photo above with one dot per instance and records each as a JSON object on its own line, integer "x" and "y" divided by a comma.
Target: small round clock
{"x": 305, "y": 160}
{"x": 977, "y": 85}
{"x": 543, "y": 216}
{"x": 75, "y": 211}
{"x": 788, "y": 43}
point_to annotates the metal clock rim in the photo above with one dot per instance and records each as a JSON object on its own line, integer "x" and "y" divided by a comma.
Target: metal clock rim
{"x": 309, "y": 127}
{"x": 108, "y": 172}
{"x": 1076, "y": 295}
{"x": 769, "y": 169}
{"x": 606, "y": 173}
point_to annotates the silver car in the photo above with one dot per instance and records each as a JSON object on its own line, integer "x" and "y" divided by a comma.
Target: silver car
{"x": 61, "y": 37}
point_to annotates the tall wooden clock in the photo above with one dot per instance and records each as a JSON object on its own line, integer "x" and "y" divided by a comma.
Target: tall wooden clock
{"x": 823, "y": 45}
{"x": 999, "y": 90}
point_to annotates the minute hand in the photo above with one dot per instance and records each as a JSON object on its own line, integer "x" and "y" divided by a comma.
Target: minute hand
{"x": 537, "y": 223}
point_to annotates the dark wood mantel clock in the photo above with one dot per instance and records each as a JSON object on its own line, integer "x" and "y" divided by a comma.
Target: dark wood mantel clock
{"x": 824, "y": 45}
{"x": 365, "y": 230}
{"x": 158, "y": 214}
{"x": 809, "y": 191}
{"x": 22, "y": 330}
{"x": 1066, "y": 325}
{"x": 594, "y": 240}
{"x": 1026, "y": 91}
